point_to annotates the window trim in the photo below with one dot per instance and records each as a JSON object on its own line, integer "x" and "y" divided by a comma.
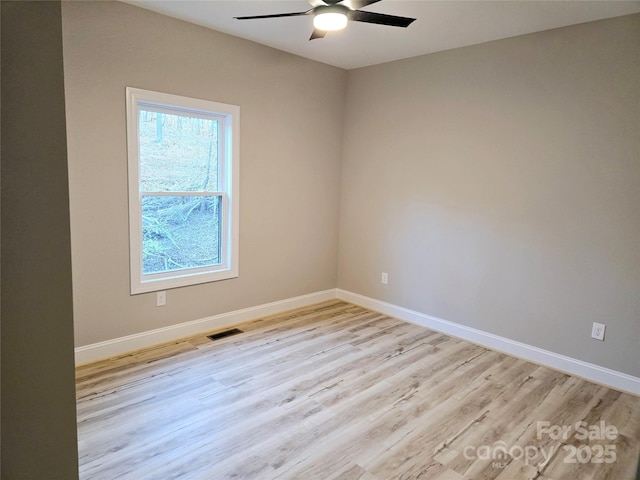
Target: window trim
{"x": 229, "y": 174}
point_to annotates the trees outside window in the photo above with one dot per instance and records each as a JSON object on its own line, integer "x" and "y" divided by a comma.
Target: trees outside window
{"x": 183, "y": 187}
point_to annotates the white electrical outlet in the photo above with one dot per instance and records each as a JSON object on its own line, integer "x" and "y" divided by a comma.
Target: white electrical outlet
{"x": 385, "y": 278}
{"x": 161, "y": 299}
{"x": 597, "y": 331}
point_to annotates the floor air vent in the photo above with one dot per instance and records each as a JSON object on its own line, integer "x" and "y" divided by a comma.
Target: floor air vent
{"x": 226, "y": 333}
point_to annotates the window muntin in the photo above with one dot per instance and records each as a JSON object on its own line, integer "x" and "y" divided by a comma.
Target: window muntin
{"x": 183, "y": 183}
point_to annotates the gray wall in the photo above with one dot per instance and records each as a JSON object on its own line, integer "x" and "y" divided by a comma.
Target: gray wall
{"x": 38, "y": 400}
{"x": 499, "y": 187}
{"x": 291, "y": 140}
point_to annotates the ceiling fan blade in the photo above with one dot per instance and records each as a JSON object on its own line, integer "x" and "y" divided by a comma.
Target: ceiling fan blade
{"x": 316, "y": 3}
{"x": 317, "y": 34}
{"x": 380, "y": 19}
{"x": 357, "y": 4}
{"x": 276, "y": 15}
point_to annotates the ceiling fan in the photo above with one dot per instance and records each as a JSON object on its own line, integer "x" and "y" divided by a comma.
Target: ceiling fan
{"x": 331, "y": 15}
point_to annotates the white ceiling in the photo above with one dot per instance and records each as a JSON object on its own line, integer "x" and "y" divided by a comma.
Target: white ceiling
{"x": 440, "y": 24}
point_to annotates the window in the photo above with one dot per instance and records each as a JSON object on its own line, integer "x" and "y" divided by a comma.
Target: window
{"x": 183, "y": 190}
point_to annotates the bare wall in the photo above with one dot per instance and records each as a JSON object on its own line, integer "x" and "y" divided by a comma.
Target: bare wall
{"x": 499, "y": 187}
{"x": 291, "y": 137}
{"x": 39, "y": 438}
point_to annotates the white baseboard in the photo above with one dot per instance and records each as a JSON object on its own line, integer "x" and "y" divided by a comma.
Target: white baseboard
{"x": 588, "y": 371}
{"x": 119, "y": 346}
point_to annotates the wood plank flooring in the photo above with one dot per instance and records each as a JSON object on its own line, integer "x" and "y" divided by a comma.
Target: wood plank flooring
{"x": 335, "y": 391}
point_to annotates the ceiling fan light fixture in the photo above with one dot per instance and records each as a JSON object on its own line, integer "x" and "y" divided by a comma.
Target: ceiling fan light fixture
{"x": 330, "y": 19}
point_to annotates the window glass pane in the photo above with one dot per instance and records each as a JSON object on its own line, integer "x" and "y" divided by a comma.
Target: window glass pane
{"x": 180, "y": 232}
{"x": 178, "y": 153}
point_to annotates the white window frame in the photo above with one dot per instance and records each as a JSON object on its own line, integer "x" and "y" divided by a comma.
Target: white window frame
{"x": 229, "y": 173}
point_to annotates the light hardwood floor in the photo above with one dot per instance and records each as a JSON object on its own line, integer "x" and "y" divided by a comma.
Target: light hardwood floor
{"x": 335, "y": 391}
